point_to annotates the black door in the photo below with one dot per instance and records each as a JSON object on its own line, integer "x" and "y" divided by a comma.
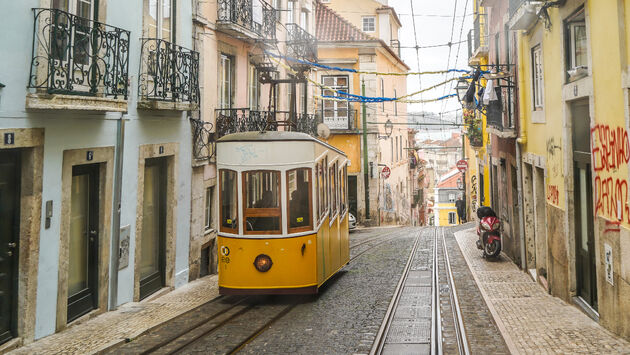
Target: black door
{"x": 153, "y": 239}
{"x": 352, "y": 195}
{"x": 9, "y": 237}
{"x": 583, "y": 199}
{"x": 83, "y": 243}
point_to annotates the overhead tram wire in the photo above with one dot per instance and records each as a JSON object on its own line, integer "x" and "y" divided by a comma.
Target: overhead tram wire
{"x": 461, "y": 33}
{"x": 415, "y": 35}
{"x": 450, "y": 47}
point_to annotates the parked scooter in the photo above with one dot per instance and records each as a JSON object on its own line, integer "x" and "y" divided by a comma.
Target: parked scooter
{"x": 489, "y": 232}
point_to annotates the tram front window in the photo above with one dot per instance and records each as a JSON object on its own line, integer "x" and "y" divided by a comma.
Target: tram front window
{"x": 262, "y": 202}
{"x": 229, "y": 204}
{"x": 299, "y": 188}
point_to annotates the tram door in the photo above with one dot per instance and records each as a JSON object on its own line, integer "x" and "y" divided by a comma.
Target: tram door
{"x": 153, "y": 239}
{"x": 9, "y": 234}
{"x": 583, "y": 199}
{"x": 83, "y": 244}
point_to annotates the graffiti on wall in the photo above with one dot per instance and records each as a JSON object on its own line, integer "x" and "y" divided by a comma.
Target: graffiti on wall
{"x": 388, "y": 201}
{"x": 473, "y": 192}
{"x": 610, "y": 149}
{"x": 553, "y": 194}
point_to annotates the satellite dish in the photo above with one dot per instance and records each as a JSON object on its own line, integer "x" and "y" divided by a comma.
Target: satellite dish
{"x": 323, "y": 130}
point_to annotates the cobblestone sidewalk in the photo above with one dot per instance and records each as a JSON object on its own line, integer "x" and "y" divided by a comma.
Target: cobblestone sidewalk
{"x": 532, "y": 321}
{"x": 127, "y": 322}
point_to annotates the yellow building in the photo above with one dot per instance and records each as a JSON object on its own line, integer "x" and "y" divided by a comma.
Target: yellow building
{"x": 447, "y": 192}
{"x": 366, "y": 40}
{"x": 574, "y": 88}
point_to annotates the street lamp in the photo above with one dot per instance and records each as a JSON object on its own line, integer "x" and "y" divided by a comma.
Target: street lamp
{"x": 389, "y": 128}
{"x": 462, "y": 88}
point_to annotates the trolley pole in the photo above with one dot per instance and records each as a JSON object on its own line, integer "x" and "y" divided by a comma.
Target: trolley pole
{"x": 366, "y": 177}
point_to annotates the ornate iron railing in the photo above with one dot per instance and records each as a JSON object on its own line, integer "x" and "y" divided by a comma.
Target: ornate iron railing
{"x": 245, "y": 120}
{"x": 203, "y": 139}
{"x": 168, "y": 72}
{"x": 74, "y": 55}
{"x": 253, "y": 15}
{"x": 301, "y": 44}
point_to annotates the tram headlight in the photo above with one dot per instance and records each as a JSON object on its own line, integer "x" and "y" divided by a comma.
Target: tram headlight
{"x": 263, "y": 263}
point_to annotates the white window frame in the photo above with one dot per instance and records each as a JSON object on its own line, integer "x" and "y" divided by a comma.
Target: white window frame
{"x": 343, "y": 121}
{"x": 159, "y": 21}
{"x": 254, "y": 88}
{"x": 452, "y": 216}
{"x": 537, "y": 78}
{"x": 366, "y": 25}
{"x": 291, "y": 6}
{"x": 226, "y": 63}
{"x": 208, "y": 208}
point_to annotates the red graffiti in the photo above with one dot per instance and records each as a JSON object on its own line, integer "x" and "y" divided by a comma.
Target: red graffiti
{"x": 610, "y": 151}
{"x": 611, "y": 147}
{"x": 553, "y": 194}
{"x": 612, "y": 227}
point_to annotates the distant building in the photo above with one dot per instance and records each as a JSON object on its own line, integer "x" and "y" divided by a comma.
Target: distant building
{"x": 447, "y": 191}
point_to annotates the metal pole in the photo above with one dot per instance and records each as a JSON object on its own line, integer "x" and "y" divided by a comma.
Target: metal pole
{"x": 366, "y": 178}
{"x": 115, "y": 246}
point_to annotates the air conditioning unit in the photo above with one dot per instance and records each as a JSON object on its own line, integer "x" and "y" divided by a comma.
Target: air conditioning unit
{"x": 526, "y": 16}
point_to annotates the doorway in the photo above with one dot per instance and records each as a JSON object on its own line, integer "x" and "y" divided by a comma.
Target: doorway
{"x": 83, "y": 243}
{"x": 9, "y": 239}
{"x": 352, "y": 195}
{"x": 153, "y": 238}
{"x": 583, "y": 197}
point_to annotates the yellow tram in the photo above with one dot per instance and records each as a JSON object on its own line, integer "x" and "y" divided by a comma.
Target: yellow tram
{"x": 283, "y": 213}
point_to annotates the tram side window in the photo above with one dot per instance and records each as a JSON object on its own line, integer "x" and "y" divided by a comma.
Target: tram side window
{"x": 333, "y": 190}
{"x": 317, "y": 198}
{"x": 343, "y": 187}
{"x": 321, "y": 190}
{"x": 299, "y": 195}
{"x": 261, "y": 192}
{"x": 229, "y": 202}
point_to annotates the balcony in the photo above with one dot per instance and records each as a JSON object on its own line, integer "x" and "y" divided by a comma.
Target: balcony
{"x": 204, "y": 147}
{"x": 77, "y": 64}
{"x": 341, "y": 121}
{"x": 523, "y": 14}
{"x": 301, "y": 45}
{"x": 245, "y": 120}
{"x": 478, "y": 39}
{"x": 252, "y": 20}
{"x": 169, "y": 76}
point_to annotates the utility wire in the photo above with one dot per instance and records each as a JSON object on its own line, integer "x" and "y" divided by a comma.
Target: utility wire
{"x": 415, "y": 35}
{"x": 450, "y": 48}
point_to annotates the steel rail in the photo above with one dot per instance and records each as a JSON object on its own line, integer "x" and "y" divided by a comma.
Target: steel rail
{"x": 258, "y": 331}
{"x": 436, "y": 318}
{"x": 460, "y": 330}
{"x": 381, "y": 336}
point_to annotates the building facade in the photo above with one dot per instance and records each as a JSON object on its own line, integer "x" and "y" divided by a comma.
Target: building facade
{"x": 363, "y": 36}
{"x": 96, "y": 158}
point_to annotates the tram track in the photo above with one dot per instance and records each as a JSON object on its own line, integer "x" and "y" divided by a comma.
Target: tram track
{"x": 191, "y": 336}
{"x": 439, "y": 316}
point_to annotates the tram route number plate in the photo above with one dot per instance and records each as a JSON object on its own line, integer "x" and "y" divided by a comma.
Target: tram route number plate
{"x": 225, "y": 259}
{"x": 300, "y": 219}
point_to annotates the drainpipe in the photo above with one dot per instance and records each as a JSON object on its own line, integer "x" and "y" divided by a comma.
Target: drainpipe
{"x": 115, "y": 250}
{"x": 521, "y": 140}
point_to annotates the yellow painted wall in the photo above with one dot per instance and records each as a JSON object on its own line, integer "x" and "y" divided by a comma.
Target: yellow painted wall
{"x": 353, "y": 11}
{"x": 351, "y": 145}
{"x": 443, "y": 213}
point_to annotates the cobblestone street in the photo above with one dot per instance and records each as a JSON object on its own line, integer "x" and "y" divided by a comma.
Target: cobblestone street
{"x": 503, "y": 311}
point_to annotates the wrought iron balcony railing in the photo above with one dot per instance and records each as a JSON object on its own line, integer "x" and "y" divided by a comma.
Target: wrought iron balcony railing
{"x": 204, "y": 147}
{"x": 301, "y": 44}
{"x": 74, "y": 55}
{"x": 168, "y": 72}
{"x": 245, "y": 120}
{"x": 253, "y": 15}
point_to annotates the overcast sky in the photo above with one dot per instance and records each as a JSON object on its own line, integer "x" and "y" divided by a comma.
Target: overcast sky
{"x": 434, "y": 21}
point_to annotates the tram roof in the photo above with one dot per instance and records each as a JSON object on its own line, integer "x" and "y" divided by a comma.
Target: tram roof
{"x": 275, "y": 136}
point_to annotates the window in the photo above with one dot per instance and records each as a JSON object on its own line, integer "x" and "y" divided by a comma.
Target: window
{"x": 321, "y": 194}
{"x": 291, "y": 5}
{"x": 261, "y": 195}
{"x": 335, "y": 113}
{"x": 254, "y": 88}
{"x": 304, "y": 20}
{"x": 575, "y": 32}
{"x": 159, "y": 18}
{"x": 81, "y": 45}
{"x": 225, "y": 77}
{"x": 451, "y": 197}
{"x": 451, "y": 218}
{"x": 369, "y": 23}
{"x": 229, "y": 202}
{"x": 332, "y": 175}
{"x": 343, "y": 181}
{"x": 208, "y": 211}
{"x": 537, "y": 69}
{"x": 299, "y": 194}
